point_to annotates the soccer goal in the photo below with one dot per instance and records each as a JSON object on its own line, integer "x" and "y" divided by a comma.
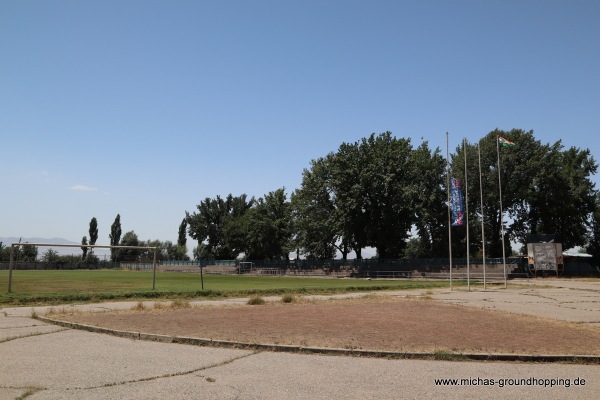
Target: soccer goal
{"x": 16, "y": 245}
{"x": 246, "y": 267}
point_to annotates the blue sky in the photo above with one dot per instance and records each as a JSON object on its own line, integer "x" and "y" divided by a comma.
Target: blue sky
{"x": 144, "y": 108}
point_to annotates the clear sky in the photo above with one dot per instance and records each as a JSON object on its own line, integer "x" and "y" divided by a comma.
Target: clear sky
{"x": 144, "y": 108}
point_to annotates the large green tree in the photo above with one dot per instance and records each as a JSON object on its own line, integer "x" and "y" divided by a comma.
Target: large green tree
{"x": 352, "y": 216}
{"x": 50, "y": 256}
{"x": 27, "y": 253}
{"x": 429, "y": 198}
{"x": 371, "y": 193}
{"x": 387, "y": 184}
{"x": 130, "y": 239}
{"x": 593, "y": 244}
{"x": 214, "y": 222}
{"x": 269, "y": 228}
{"x": 314, "y": 211}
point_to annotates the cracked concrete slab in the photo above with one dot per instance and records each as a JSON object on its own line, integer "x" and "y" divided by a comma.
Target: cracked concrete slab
{"x": 11, "y": 323}
{"x": 565, "y": 304}
{"x": 194, "y": 386}
{"x": 302, "y": 376}
{"x": 10, "y": 393}
{"x": 274, "y": 376}
{"x": 75, "y": 359}
{"x": 22, "y": 332}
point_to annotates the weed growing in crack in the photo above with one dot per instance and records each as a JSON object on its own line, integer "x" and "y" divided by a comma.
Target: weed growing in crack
{"x": 180, "y": 303}
{"x": 288, "y": 298}
{"x": 139, "y": 306}
{"x": 256, "y": 300}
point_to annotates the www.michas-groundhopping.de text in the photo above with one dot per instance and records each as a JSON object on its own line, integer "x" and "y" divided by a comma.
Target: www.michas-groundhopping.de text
{"x": 505, "y": 382}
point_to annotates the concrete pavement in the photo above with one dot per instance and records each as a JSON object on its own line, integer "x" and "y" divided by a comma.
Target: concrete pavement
{"x": 575, "y": 301}
{"x": 41, "y": 361}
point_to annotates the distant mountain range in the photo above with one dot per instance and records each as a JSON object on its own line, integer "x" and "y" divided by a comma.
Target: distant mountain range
{"x": 7, "y": 241}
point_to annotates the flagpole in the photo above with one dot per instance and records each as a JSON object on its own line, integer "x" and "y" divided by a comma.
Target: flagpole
{"x": 501, "y": 213}
{"x": 467, "y": 216}
{"x": 449, "y": 214}
{"x": 482, "y": 214}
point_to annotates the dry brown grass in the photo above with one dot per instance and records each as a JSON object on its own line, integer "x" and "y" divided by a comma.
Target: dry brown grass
{"x": 373, "y": 323}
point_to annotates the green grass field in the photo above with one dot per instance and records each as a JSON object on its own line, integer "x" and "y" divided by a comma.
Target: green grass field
{"x": 49, "y": 287}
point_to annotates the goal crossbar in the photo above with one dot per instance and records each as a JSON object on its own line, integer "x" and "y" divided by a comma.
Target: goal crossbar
{"x": 13, "y": 245}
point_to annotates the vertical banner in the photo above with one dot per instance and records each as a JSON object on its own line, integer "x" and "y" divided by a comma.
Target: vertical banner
{"x": 457, "y": 203}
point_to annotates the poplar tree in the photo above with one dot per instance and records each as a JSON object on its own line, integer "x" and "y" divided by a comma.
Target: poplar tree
{"x": 115, "y": 237}
{"x": 93, "y": 231}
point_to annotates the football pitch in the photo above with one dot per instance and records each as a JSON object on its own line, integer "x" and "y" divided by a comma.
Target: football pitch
{"x": 44, "y": 286}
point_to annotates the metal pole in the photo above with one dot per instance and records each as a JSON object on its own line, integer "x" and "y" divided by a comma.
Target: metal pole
{"x": 482, "y": 214}
{"x": 201, "y": 278}
{"x": 10, "y": 268}
{"x": 449, "y": 214}
{"x": 467, "y": 217}
{"x": 154, "y": 271}
{"x": 501, "y": 213}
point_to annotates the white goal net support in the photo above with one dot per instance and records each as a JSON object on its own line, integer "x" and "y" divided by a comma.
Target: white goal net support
{"x": 246, "y": 267}
{"x": 90, "y": 246}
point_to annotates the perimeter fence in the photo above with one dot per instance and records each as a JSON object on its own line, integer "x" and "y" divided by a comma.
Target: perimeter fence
{"x": 398, "y": 268}
{"x": 372, "y": 268}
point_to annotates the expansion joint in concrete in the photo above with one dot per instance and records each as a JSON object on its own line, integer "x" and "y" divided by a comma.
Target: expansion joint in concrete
{"x": 171, "y": 375}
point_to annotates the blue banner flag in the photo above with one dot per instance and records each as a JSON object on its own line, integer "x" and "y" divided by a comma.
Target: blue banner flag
{"x": 457, "y": 203}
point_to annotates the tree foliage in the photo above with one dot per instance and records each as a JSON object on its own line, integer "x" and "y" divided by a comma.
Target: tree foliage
{"x": 214, "y": 222}
{"x": 115, "y": 237}
{"x": 429, "y": 199}
{"x": 84, "y": 247}
{"x": 314, "y": 211}
{"x": 130, "y": 239}
{"x": 93, "y": 231}
{"x": 227, "y": 228}
{"x": 593, "y": 244}
{"x": 384, "y": 193}
{"x": 269, "y": 229}
{"x": 545, "y": 189}
{"x": 26, "y": 253}
{"x": 182, "y": 234}
{"x": 50, "y": 256}
{"x": 371, "y": 193}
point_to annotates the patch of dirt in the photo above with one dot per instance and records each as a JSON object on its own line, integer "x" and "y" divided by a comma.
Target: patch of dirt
{"x": 388, "y": 324}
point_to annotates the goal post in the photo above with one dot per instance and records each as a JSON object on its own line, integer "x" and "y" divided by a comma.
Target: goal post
{"x": 14, "y": 245}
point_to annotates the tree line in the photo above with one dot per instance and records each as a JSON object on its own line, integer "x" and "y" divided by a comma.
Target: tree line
{"x": 166, "y": 250}
{"x": 383, "y": 192}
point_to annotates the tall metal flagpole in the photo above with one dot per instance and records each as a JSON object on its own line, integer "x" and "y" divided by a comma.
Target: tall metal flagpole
{"x": 482, "y": 215}
{"x": 501, "y": 213}
{"x": 467, "y": 217}
{"x": 449, "y": 214}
